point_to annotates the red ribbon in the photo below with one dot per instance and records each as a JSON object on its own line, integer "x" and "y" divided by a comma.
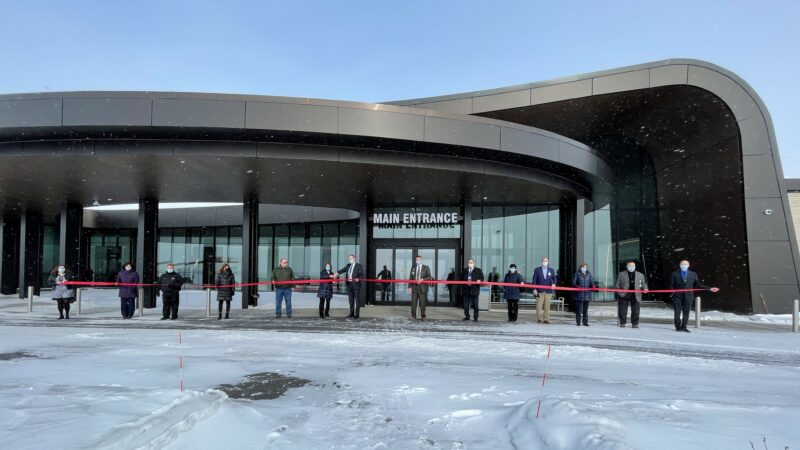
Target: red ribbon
{"x": 409, "y": 282}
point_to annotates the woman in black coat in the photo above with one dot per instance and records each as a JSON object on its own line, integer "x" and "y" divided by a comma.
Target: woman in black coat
{"x": 512, "y": 293}
{"x": 582, "y": 279}
{"x": 225, "y": 294}
{"x": 325, "y": 292}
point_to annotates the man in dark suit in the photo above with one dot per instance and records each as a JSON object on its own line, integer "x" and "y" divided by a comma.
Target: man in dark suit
{"x": 683, "y": 278}
{"x": 353, "y": 274}
{"x": 472, "y": 290}
{"x": 419, "y": 290}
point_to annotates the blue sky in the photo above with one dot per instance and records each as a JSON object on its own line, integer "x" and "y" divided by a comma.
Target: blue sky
{"x": 386, "y": 50}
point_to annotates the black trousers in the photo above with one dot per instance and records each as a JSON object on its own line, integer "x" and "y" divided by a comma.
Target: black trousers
{"x": 582, "y": 312}
{"x": 324, "y": 306}
{"x": 227, "y": 306}
{"x": 682, "y": 305}
{"x": 63, "y": 306}
{"x": 353, "y": 294}
{"x": 622, "y": 310}
{"x": 470, "y": 299}
{"x": 513, "y": 309}
{"x": 170, "y": 308}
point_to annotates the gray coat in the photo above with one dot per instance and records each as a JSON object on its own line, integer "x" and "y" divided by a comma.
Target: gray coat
{"x": 62, "y": 291}
{"x": 640, "y": 283}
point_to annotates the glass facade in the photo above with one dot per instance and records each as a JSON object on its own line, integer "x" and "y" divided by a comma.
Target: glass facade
{"x": 106, "y": 251}
{"x": 599, "y": 249}
{"x": 522, "y": 235}
{"x": 307, "y": 246}
{"x": 50, "y": 241}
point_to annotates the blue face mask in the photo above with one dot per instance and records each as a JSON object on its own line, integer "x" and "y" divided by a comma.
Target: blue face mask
{"x": 684, "y": 267}
{"x": 631, "y": 268}
{"x": 328, "y": 268}
{"x": 170, "y": 270}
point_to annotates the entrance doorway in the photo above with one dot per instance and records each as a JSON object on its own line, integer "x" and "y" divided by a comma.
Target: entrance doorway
{"x": 398, "y": 256}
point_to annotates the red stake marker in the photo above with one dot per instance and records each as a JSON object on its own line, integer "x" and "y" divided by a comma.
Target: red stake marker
{"x": 544, "y": 378}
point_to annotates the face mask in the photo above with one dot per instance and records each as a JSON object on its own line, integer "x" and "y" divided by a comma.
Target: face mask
{"x": 128, "y": 268}
{"x": 684, "y": 267}
{"x": 62, "y": 270}
{"x": 470, "y": 265}
{"x": 419, "y": 261}
{"x": 545, "y": 264}
{"x": 631, "y": 268}
{"x": 352, "y": 261}
{"x": 328, "y": 268}
{"x": 512, "y": 270}
{"x": 170, "y": 270}
{"x": 584, "y": 269}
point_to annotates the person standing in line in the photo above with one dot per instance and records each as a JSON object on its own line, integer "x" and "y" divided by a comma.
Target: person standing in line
{"x": 283, "y": 290}
{"x": 127, "y": 293}
{"x": 62, "y": 294}
{"x": 354, "y": 272}
{"x": 385, "y": 274}
{"x": 472, "y": 290}
{"x": 512, "y": 293}
{"x": 683, "y": 278}
{"x": 170, "y": 284}
{"x": 635, "y": 282}
{"x": 225, "y": 290}
{"x": 582, "y": 279}
{"x": 419, "y": 290}
{"x": 325, "y": 292}
{"x": 544, "y": 276}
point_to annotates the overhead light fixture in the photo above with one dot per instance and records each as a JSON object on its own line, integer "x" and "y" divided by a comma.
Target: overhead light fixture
{"x": 135, "y": 206}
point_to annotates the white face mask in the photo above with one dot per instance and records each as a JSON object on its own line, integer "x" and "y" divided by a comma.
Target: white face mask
{"x": 545, "y": 263}
{"x": 419, "y": 262}
{"x": 512, "y": 270}
{"x": 471, "y": 265}
{"x": 631, "y": 268}
{"x": 352, "y": 261}
{"x": 328, "y": 268}
{"x": 684, "y": 267}
{"x": 584, "y": 269}
{"x": 170, "y": 270}
{"x": 128, "y": 268}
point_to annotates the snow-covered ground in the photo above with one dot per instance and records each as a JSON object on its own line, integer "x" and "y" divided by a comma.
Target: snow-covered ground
{"x": 383, "y": 383}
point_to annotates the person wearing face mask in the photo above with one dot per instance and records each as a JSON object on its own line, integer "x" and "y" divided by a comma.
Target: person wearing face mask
{"x": 683, "y": 278}
{"x": 630, "y": 280}
{"x": 582, "y": 279}
{"x": 170, "y": 284}
{"x": 419, "y": 290}
{"x": 127, "y": 293}
{"x": 353, "y": 273}
{"x": 472, "y": 290}
{"x": 62, "y": 294}
{"x": 512, "y": 293}
{"x": 325, "y": 292}
{"x": 544, "y": 276}
{"x": 224, "y": 284}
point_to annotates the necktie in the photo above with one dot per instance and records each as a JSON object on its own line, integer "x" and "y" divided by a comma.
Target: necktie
{"x": 350, "y": 272}
{"x": 419, "y": 272}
